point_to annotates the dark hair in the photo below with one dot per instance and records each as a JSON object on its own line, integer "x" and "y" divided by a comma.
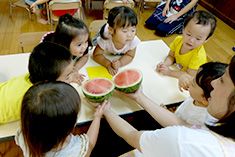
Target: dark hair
{"x": 48, "y": 115}
{"x": 47, "y": 61}
{"x": 67, "y": 29}
{"x": 203, "y": 18}
{"x": 226, "y": 125}
{"x": 207, "y": 73}
{"x": 121, "y": 16}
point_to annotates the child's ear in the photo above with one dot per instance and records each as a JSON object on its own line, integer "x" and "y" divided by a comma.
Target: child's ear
{"x": 204, "y": 101}
{"x": 111, "y": 30}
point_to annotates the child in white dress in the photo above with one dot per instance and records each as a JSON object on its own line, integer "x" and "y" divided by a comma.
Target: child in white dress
{"x": 117, "y": 37}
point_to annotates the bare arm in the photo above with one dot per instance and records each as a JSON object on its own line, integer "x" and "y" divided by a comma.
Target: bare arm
{"x": 128, "y": 57}
{"x": 187, "y": 8}
{"x": 123, "y": 129}
{"x": 160, "y": 114}
{"x": 98, "y": 56}
{"x": 81, "y": 62}
{"x": 170, "y": 59}
{"x": 93, "y": 130}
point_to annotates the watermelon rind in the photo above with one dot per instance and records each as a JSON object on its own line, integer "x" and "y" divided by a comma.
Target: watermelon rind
{"x": 130, "y": 88}
{"x": 98, "y": 98}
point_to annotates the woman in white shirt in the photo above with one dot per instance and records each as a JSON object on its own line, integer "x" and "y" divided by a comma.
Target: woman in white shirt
{"x": 189, "y": 141}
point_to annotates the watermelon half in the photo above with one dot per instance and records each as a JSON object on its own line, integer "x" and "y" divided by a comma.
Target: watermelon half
{"x": 128, "y": 81}
{"x": 97, "y": 90}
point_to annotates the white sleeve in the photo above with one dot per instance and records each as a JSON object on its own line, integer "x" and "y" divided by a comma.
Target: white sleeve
{"x": 179, "y": 141}
{"x": 134, "y": 43}
{"x": 157, "y": 143}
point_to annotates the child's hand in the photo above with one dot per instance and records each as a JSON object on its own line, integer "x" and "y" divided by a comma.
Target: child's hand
{"x": 33, "y": 7}
{"x": 76, "y": 77}
{"x": 171, "y": 19}
{"x": 184, "y": 82}
{"x": 165, "y": 10}
{"x": 116, "y": 64}
{"x": 163, "y": 69}
{"x": 111, "y": 70}
{"x": 102, "y": 108}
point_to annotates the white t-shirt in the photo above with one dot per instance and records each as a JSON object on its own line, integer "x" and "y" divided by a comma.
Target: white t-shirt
{"x": 77, "y": 147}
{"x": 180, "y": 141}
{"x": 108, "y": 46}
{"x": 192, "y": 114}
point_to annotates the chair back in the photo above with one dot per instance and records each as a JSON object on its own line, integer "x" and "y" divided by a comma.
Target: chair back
{"x": 20, "y": 4}
{"x": 55, "y": 5}
{"x": 109, "y": 4}
{"x": 29, "y": 40}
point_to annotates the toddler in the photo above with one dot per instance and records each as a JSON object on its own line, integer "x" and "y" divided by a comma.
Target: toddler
{"x": 48, "y": 116}
{"x": 117, "y": 37}
{"x": 187, "y": 51}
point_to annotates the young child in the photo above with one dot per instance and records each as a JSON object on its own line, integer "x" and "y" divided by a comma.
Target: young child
{"x": 48, "y": 116}
{"x": 187, "y": 51}
{"x": 37, "y": 7}
{"x": 118, "y": 38}
{"x": 47, "y": 62}
{"x": 169, "y": 16}
{"x": 73, "y": 34}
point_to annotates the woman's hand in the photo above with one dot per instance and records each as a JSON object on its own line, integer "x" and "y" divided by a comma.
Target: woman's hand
{"x": 134, "y": 96}
{"x": 171, "y": 19}
{"x": 100, "y": 109}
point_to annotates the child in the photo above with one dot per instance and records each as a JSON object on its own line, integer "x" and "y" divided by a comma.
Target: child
{"x": 118, "y": 38}
{"x": 37, "y": 6}
{"x": 47, "y": 62}
{"x": 187, "y": 51}
{"x": 73, "y": 34}
{"x": 169, "y": 16}
{"x": 48, "y": 116}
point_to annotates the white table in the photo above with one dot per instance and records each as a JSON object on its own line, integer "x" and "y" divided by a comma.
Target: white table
{"x": 161, "y": 89}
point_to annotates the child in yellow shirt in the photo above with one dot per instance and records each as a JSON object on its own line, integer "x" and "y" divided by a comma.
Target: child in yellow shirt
{"x": 187, "y": 51}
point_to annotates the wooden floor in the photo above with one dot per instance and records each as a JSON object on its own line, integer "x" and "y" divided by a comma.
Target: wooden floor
{"x": 219, "y": 46}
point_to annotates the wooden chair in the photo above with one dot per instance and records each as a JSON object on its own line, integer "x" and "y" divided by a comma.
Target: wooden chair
{"x": 143, "y": 2}
{"x": 27, "y": 41}
{"x": 109, "y": 4}
{"x": 95, "y": 26}
{"x": 18, "y": 3}
{"x": 65, "y": 5}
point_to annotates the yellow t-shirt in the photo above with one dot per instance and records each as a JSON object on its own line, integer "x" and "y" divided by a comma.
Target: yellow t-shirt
{"x": 192, "y": 59}
{"x": 11, "y": 95}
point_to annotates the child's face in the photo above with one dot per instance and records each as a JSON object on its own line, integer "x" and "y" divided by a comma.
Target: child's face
{"x": 79, "y": 45}
{"x": 66, "y": 72}
{"x": 196, "y": 92}
{"x": 124, "y": 35}
{"x": 194, "y": 35}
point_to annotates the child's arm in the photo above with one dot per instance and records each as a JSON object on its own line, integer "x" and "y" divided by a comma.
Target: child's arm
{"x": 81, "y": 62}
{"x": 124, "y": 60}
{"x": 166, "y": 8}
{"x": 160, "y": 114}
{"x": 182, "y": 11}
{"x": 99, "y": 57}
{"x": 123, "y": 128}
{"x": 93, "y": 130}
{"x": 170, "y": 59}
{"x": 37, "y": 2}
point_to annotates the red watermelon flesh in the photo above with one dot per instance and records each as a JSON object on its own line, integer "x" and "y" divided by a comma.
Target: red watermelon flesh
{"x": 98, "y": 86}
{"x": 127, "y": 78}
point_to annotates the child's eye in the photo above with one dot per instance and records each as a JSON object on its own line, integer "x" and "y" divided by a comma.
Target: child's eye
{"x": 79, "y": 45}
{"x": 188, "y": 34}
{"x": 198, "y": 39}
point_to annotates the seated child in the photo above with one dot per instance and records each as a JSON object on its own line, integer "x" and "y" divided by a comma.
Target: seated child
{"x": 117, "y": 37}
{"x": 49, "y": 62}
{"x": 187, "y": 51}
{"x": 37, "y": 5}
{"x": 169, "y": 16}
{"x": 73, "y": 34}
{"x": 48, "y": 116}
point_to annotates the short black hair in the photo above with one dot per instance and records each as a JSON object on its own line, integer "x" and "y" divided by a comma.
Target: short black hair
{"x": 47, "y": 62}
{"x": 204, "y": 18}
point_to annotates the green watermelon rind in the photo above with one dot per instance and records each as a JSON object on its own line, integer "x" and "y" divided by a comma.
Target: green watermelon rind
{"x": 98, "y": 98}
{"x": 131, "y": 88}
